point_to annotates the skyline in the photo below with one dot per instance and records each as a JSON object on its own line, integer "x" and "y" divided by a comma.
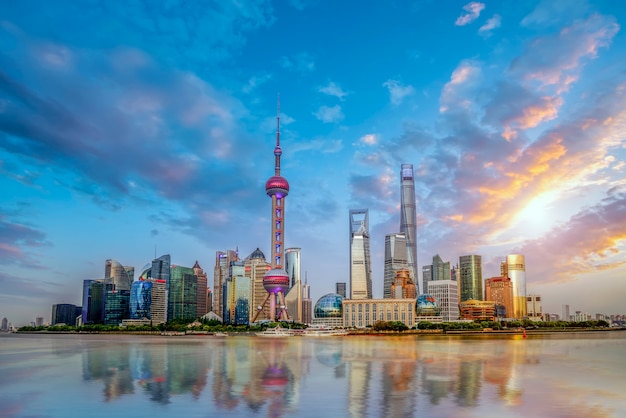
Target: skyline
{"x": 125, "y": 128}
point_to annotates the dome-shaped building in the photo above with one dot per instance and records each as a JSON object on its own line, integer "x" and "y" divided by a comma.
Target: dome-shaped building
{"x": 427, "y": 305}
{"x": 329, "y": 306}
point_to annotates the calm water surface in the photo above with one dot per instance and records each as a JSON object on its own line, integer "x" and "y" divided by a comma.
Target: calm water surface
{"x": 573, "y": 375}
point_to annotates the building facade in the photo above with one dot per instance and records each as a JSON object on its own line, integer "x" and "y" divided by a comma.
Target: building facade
{"x": 408, "y": 217}
{"x": 121, "y": 276}
{"x": 255, "y": 267}
{"x": 478, "y": 310}
{"x": 116, "y": 306}
{"x": 500, "y": 291}
{"x": 220, "y": 275}
{"x": 446, "y": 293}
{"x": 182, "y": 301}
{"x": 340, "y": 289}
{"x": 471, "y": 282}
{"x": 140, "y": 299}
{"x": 293, "y": 298}
{"x": 403, "y": 286}
{"x": 64, "y": 313}
{"x": 202, "y": 290}
{"x": 364, "y": 313}
{"x": 534, "y": 310}
{"x": 360, "y": 261}
{"x": 515, "y": 268}
{"x": 395, "y": 259}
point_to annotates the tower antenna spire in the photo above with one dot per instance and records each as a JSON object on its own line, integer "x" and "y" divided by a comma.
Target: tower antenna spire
{"x": 277, "y": 150}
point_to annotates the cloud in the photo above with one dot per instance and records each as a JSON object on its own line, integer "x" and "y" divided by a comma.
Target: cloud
{"x": 329, "y": 114}
{"x": 473, "y": 10}
{"x": 491, "y": 24}
{"x": 397, "y": 91}
{"x": 301, "y": 63}
{"x": 551, "y": 12}
{"x": 256, "y": 81}
{"x": 369, "y": 139}
{"x": 581, "y": 40}
{"x": 333, "y": 89}
{"x": 18, "y": 241}
{"x": 604, "y": 226}
{"x": 456, "y": 93}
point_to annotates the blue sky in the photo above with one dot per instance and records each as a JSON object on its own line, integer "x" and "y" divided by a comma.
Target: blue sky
{"x": 130, "y": 126}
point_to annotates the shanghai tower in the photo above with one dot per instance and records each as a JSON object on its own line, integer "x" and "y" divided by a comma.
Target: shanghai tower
{"x": 408, "y": 218}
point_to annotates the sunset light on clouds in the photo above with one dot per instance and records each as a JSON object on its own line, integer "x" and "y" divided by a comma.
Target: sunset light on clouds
{"x": 130, "y": 127}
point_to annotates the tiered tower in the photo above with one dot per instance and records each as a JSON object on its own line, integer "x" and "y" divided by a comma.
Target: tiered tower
{"x": 276, "y": 280}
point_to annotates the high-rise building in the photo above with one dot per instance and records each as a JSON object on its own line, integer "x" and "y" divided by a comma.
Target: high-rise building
{"x": 408, "y": 217}
{"x": 64, "y": 313}
{"x": 220, "y": 274}
{"x": 116, "y": 306}
{"x": 565, "y": 316}
{"x": 140, "y": 299}
{"x": 5, "y": 324}
{"x": 255, "y": 267}
{"x": 158, "y": 302}
{"x": 534, "y": 309}
{"x": 427, "y": 276}
{"x": 307, "y": 303}
{"x": 514, "y": 267}
{"x": 403, "y": 286}
{"x": 39, "y": 321}
{"x": 182, "y": 301}
{"x": 237, "y": 291}
{"x": 500, "y": 291}
{"x": 340, "y": 289}
{"x": 209, "y": 300}
{"x": 446, "y": 294}
{"x": 395, "y": 259}
{"x": 293, "y": 298}
{"x": 202, "y": 290}
{"x": 121, "y": 276}
{"x": 360, "y": 262}
{"x": 471, "y": 278}
{"x": 276, "y": 280}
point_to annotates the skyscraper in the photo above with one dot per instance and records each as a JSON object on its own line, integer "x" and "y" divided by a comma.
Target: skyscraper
{"x": 500, "y": 291}
{"x": 64, "y": 313}
{"x": 438, "y": 270}
{"x": 515, "y": 268}
{"x": 276, "y": 281}
{"x": 395, "y": 259}
{"x": 408, "y": 217}
{"x": 360, "y": 264}
{"x": 293, "y": 298}
{"x": 140, "y": 299}
{"x": 182, "y": 301}
{"x": 121, "y": 276}
{"x": 471, "y": 278}
{"x": 202, "y": 289}
{"x": 220, "y": 274}
{"x": 255, "y": 267}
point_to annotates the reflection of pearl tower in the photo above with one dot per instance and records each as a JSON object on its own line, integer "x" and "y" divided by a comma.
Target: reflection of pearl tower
{"x": 276, "y": 280}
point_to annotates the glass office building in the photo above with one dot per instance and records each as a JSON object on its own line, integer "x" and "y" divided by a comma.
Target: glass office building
{"x": 140, "y": 300}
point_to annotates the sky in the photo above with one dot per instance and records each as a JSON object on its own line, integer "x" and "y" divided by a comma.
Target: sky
{"x": 129, "y": 129}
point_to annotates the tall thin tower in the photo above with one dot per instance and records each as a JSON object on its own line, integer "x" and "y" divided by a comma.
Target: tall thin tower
{"x": 360, "y": 263}
{"x": 276, "y": 280}
{"x": 408, "y": 218}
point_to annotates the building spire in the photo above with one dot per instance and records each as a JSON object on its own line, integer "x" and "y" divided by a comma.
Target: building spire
{"x": 277, "y": 150}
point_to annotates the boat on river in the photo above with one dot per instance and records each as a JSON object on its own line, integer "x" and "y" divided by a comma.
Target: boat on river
{"x": 275, "y": 332}
{"x": 324, "y": 331}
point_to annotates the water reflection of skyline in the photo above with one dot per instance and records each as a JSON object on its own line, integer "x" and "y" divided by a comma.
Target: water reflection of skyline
{"x": 353, "y": 376}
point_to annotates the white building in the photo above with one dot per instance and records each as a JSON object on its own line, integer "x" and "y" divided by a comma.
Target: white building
{"x": 446, "y": 293}
{"x": 534, "y": 310}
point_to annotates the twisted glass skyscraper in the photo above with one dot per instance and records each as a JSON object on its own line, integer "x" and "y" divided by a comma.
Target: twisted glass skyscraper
{"x": 408, "y": 218}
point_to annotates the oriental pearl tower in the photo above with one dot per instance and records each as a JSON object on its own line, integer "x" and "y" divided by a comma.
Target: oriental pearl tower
{"x": 276, "y": 280}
